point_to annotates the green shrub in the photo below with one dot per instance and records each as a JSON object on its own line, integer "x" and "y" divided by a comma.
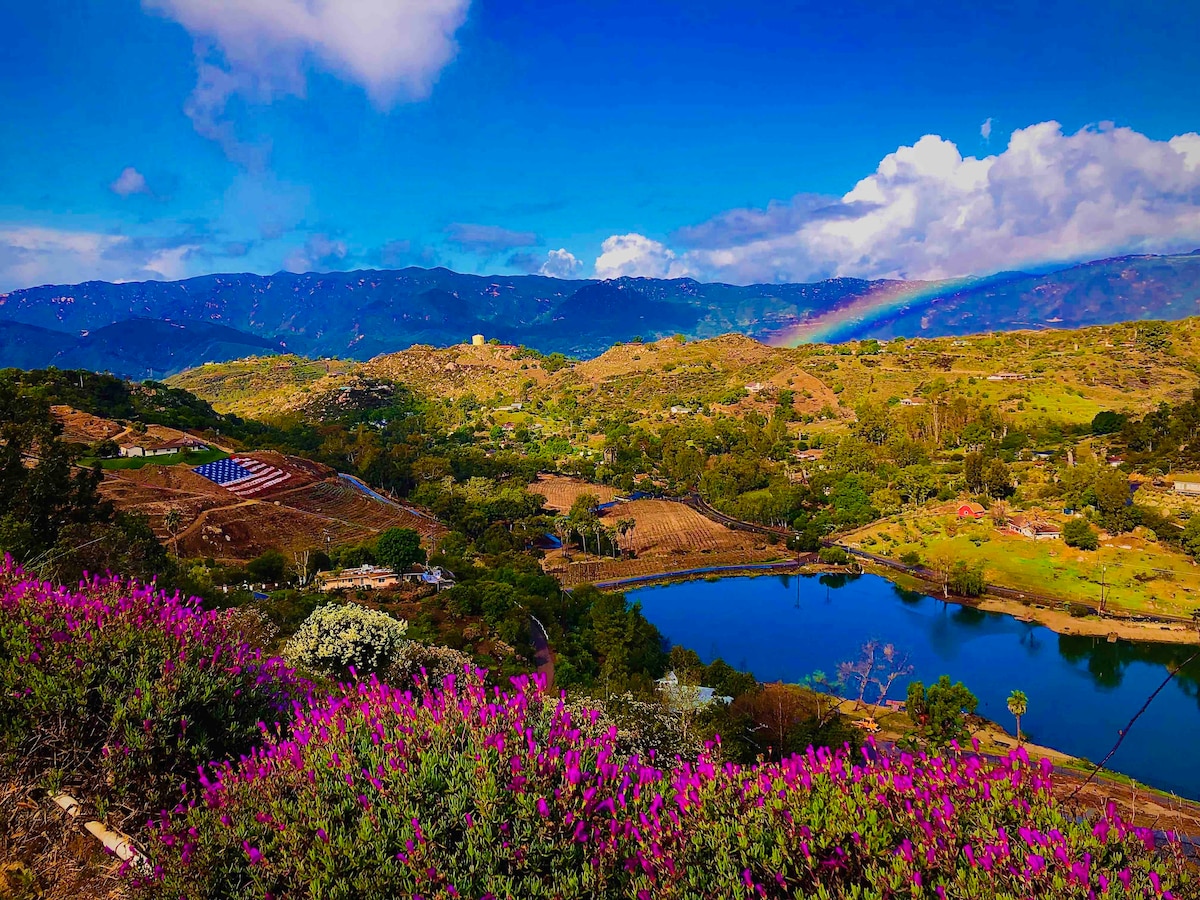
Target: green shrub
{"x": 1078, "y": 533}
{"x": 834, "y": 556}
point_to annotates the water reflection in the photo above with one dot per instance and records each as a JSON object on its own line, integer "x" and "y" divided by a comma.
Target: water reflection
{"x": 786, "y": 627}
{"x": 969, "y": 615}
{"x": 1106, "y": 662}
{"x": 836, "y": 580}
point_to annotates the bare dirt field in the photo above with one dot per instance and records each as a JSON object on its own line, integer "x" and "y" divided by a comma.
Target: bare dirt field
{"x": 560, "y": 491}
{"x": 666, "y": 528}
{"x": 84, "y": 428}
{"x": 313, "y": 508}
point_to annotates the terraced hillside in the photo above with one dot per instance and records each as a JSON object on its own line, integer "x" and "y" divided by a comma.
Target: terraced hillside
{"x": 667, "y": 537}
{"x": 312, "y": 507}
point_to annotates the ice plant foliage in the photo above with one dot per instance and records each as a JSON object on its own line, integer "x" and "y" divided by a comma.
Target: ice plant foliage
{"x": 118, "y": 687}
{"x": 460, "y": 790}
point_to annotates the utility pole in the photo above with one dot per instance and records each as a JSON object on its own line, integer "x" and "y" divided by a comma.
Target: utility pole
{"x": 1103, "y": 570}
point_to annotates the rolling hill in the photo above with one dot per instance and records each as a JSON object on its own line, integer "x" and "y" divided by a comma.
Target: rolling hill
{"x": 366, "y": 313}
{"x": 135, "y": 348}
{"x": 1061, "y": 374}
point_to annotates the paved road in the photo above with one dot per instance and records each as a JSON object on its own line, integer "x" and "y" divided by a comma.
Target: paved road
{"x": 375, "y": 495}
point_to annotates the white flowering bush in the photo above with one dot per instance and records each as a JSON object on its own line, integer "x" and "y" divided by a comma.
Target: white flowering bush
{"x": 337, "y": 637}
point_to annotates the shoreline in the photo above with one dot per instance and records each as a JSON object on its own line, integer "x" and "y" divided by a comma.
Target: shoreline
{"x": 1155, "y": 631}
{"x": 1149, "y": 630}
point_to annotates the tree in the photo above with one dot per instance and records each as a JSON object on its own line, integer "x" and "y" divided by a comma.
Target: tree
{"x": 997, "y": 480}
{"x": 1112, "y": 491}
{"x": 1191, "y": 536}
{"x": 940, "y": 712}
{"x": 399, "y": 549}
{"x": 562, "y": 530}
{"x": 773, "y": 712}
{"x": 270, "y": 567}
{"x": 1017, "y": 704}
{"x": 967, "y": 580}
{"x": 877, "y": 666}
{"x": 173, "y": 523}
{"x": 1079, "y": 533}
{"x": 834, "y": 556}
{"x": 1107, "y": 422}
{"x": 973, "y": 472}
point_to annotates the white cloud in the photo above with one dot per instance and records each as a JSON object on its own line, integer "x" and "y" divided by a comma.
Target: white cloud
{"x": 637, "y": 255}
{"x": 33, "y": 255}
{"x": 130, "y": 181}
{"x": 985, "y": 130}
{"x": 393, "y": 49}
{"x": 561, "y": 263}
{"x": 488, "y": 239}
{"x": 927, "y": 212}
{"x": 319, "y": 253}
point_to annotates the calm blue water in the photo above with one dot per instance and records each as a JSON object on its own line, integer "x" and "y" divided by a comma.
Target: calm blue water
{"x": 1081, "y": 690}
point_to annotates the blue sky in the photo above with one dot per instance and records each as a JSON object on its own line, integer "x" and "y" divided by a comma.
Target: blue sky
{"x": 739, "y": 141}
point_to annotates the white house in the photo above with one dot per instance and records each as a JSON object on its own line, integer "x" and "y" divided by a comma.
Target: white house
{"x": 1187, "y": 484}
{"x": 152, "y": 447}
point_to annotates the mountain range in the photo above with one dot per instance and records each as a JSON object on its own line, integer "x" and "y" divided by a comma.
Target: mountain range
{"x": 153, "y": 329}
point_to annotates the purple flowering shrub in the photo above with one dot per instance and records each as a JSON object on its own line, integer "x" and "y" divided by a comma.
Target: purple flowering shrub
{"x": 469, "y": 791}
{"x": 120, "y": 691}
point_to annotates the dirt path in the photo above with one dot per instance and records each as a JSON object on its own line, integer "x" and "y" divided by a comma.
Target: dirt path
{"x": 200, "y": 519}
{"x": 542, "y": 655}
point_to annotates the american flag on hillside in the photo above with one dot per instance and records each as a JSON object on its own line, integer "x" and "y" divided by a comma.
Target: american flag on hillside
{"x": 242, "y": 475}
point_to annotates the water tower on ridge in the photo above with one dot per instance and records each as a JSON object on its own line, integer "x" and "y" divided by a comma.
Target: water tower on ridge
{"x": 477, "y": 340}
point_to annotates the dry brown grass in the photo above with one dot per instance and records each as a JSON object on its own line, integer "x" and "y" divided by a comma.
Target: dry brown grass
{"x": 84, "y": 428}
{"x": 485, "y": 372}
{"x": 666, "y": 528}
{"x": 311, "y": 509}
{"x": 639, "y": 374}
{"x": 45, "y": 855}
{"x": 561, "y": 492}
{"x": 586, "y": 571}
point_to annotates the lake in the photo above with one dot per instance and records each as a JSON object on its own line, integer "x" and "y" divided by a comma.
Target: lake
{"x": 1081, "y": 690}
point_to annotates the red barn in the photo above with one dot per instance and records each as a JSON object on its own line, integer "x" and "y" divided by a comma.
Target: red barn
{"x": 970, "y": 511}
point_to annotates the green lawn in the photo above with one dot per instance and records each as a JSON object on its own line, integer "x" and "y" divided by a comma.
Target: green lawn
{"x": 191, "y": 458}
{"x": 1140, "y": 576}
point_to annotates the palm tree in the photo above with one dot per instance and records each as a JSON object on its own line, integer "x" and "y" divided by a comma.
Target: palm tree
{"x": 562, "y": 528}
{"x": 624, "y": 527}
{"x": 1017, "y": 704}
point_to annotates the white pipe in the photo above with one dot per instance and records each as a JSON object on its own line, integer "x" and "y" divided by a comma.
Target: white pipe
{"x": 119, "y": 844}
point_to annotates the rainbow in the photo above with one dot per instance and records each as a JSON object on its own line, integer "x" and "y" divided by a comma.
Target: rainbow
{"x": 854, "y": 316}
